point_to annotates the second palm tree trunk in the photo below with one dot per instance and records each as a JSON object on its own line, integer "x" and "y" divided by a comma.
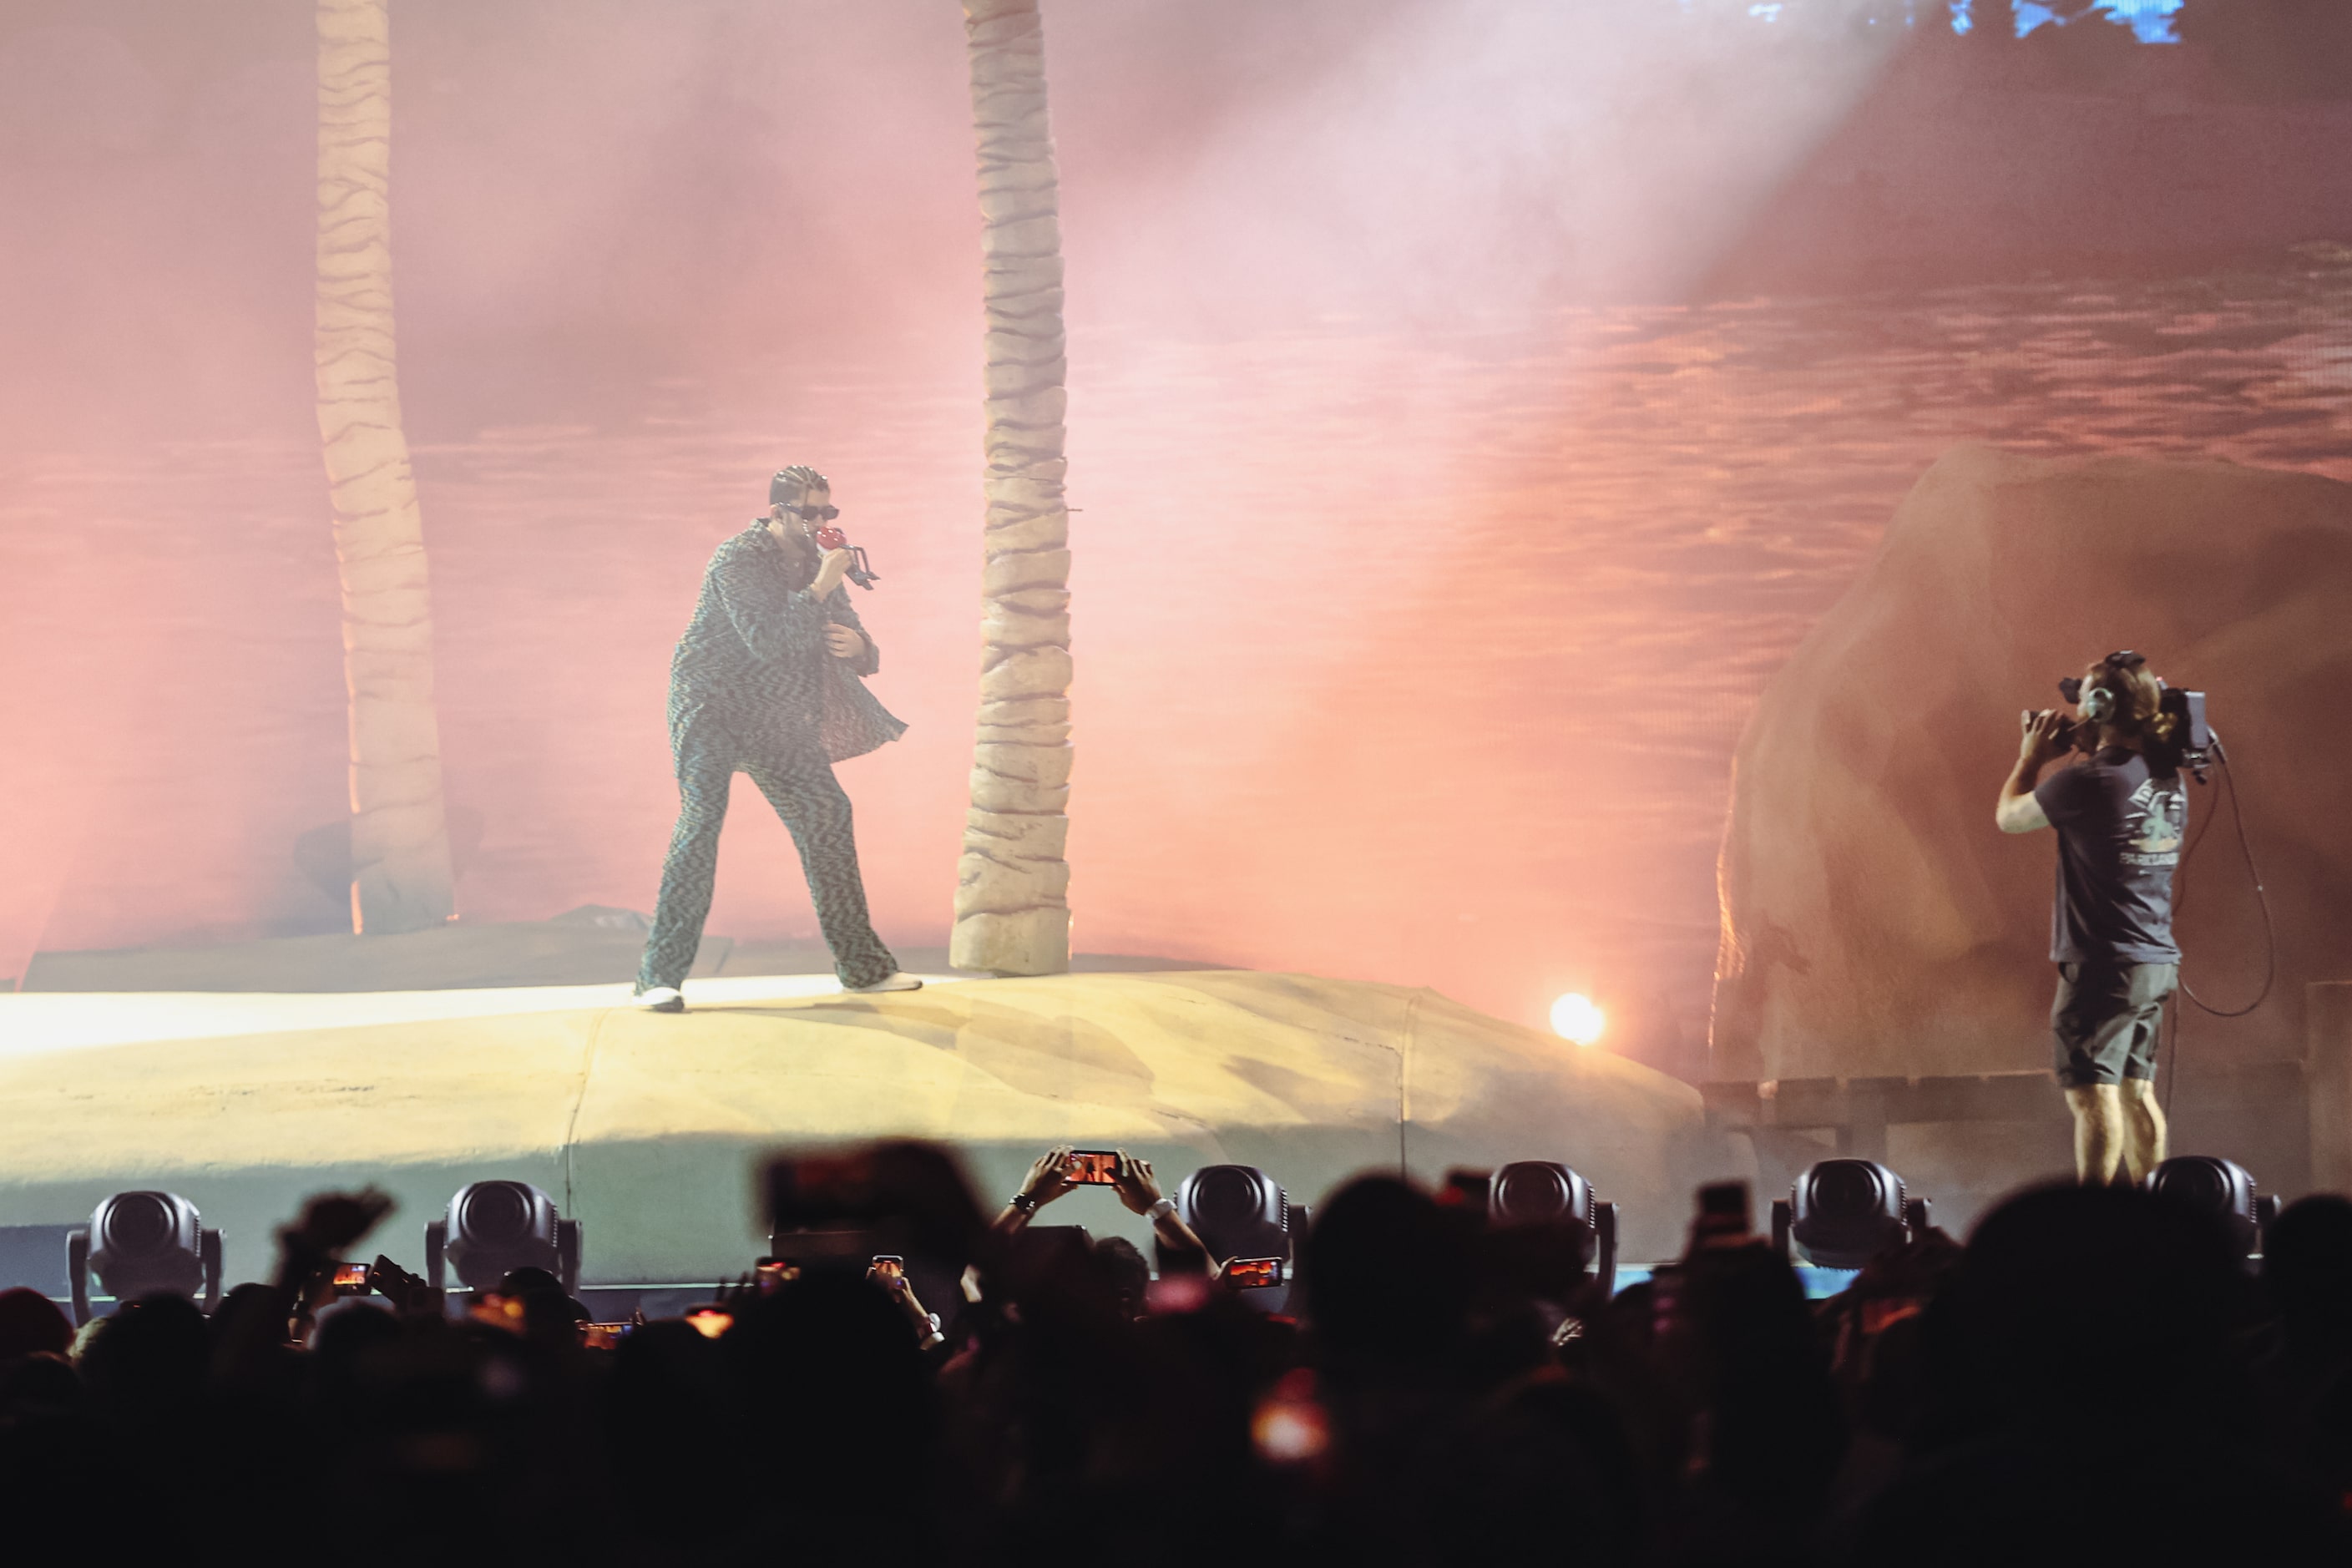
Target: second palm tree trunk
{"x": 400, "y": 843}
{"x": 1012, "y": 912}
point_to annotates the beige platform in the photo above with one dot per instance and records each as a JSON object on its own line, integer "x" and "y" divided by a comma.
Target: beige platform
{"x": 648, "y": 1127}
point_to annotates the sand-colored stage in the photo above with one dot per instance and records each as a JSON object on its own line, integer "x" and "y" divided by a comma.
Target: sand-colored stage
{"x": 648, "y": 1127}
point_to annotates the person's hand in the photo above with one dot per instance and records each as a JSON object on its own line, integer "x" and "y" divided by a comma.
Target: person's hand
{"x": 1136, "y": 1185}
{"x": 892, "y": 1278}
{"x": 830, "y": 571}
{"x": 2045, "y": 737}
{"x": 332, "y": 1221}
{"x": 310, "y": 1249}
{"x": 844, "y": 641}
{"x": 1049, "y": 1177}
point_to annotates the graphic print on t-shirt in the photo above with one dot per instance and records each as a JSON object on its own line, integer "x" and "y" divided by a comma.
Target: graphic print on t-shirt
{"x": 2119, "y": 825}
{"x": 2154, "y": 820}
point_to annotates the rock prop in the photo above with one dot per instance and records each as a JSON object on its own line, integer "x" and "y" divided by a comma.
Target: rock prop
{"x": 1875, "y": 923}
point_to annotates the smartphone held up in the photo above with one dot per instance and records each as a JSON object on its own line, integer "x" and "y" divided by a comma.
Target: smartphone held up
{"x": 1256, "y": 1273}
{"x": 1092, "y": 1167}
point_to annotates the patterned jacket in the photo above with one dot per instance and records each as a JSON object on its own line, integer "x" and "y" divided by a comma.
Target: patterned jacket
{"x": 753, "y": 673}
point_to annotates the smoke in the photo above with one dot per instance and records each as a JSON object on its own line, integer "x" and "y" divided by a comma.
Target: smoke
{"x": 1232, "y": 164}
{"x": 1318, "y": 255}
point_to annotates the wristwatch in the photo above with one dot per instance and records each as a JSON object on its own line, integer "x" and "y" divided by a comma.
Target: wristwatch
{"x": 1023, "y": 1201}
{"x": 1160, "y": 1210}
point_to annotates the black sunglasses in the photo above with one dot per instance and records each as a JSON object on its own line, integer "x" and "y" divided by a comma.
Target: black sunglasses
{"x": 814, "y": 513}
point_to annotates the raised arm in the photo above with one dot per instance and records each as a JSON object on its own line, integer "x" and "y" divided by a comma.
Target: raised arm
{"x": 774, "y": 622}
{"x": 252, "y": 1329}
{"x": 1049, "y": 1178}
{"x": 1138, "y": 1189}
{"x": 2017, "y": 810}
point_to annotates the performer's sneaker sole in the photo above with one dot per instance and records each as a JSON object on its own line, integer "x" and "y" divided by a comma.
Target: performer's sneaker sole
{"x": 660, "y": 999}
{"x": 892, "y": 982}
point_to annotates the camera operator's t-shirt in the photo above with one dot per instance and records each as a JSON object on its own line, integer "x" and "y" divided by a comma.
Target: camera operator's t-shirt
{"x": 2119, "y": 825}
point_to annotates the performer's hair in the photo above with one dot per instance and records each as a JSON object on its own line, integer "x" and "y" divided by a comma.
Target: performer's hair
{"x": 791, "y": 484}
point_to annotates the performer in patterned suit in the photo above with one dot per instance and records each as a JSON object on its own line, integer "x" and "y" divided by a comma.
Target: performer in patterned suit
{"x": 766, "y": 681}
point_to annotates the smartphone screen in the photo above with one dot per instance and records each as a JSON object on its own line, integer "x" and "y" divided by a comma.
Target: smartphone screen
{"x": 499, "y": 1311}
{"x": 1093, "y": 1167}
{"x": 773, "y": 1273}
{"x": 1254, "y": 1273}
{"x": 890, "y": 1267}
{"x": 352, "y": 1278}
{"x": 603, "y": 1336}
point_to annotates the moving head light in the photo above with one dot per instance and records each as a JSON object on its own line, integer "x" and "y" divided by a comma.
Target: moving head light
{"x": 1841, "y": 1212}
{"x": 1544, "y": 1191}
{"x": 1238, "y": 1211}
{"x": 142, "y": 1243}
{"x": 2222, "y": 1188}
{"x": 495, "y": 1227}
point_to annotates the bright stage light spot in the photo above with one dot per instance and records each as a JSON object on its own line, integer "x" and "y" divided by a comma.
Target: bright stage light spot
{"x": 1574, "y": 1018}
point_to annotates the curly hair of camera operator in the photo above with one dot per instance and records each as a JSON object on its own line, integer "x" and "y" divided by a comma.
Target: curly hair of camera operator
{"x": 2123, "y": 703}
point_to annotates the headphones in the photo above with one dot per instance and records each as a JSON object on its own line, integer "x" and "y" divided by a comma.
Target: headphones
{"x": 2098, "y": 705}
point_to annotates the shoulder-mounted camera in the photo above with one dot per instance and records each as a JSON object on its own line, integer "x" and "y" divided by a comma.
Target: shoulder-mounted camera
{"x": 2191, "y": 743}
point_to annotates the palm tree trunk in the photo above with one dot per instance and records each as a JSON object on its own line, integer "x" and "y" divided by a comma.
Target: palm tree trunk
{"x": 1013, "y": 911}
{"x": 400, "y": 845}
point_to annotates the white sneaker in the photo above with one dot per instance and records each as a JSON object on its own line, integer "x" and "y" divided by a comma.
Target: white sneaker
{"x": 660, "y": 999}
{"x": 894, "y": 981}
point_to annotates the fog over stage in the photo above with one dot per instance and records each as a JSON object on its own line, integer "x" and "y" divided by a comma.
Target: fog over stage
{"x": 1424, "y": 574}
{"x": 648, "y": 1127}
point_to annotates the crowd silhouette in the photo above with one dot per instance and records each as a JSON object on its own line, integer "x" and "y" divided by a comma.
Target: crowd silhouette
{"x": 2097, "y": 1376}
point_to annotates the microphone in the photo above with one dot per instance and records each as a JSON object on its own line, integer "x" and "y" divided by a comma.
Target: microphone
{"x": 861, "y": 571}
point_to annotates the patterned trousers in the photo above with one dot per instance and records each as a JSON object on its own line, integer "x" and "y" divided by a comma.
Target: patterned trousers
{"x": 799, "y": 782}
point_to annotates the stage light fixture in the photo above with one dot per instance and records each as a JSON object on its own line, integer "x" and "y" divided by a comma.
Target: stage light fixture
{"x": 1539, "y": 1192}
{"x": 1841, "y": 1212}
{"x": 142, "y": 1243}
{"x": 1238, "y": 1211}
{"x": 2219, "y": 1187}
{"x": 1578, "y": 1018}
{"x": 495, "y": 1227}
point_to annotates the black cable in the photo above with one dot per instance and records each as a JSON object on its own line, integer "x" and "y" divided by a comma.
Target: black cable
{"x": 2261, "y": 899}
{"x": 2168, "y": 1060}
{"x": 2179, "y": 899}
{"x": 2180, "y": 892}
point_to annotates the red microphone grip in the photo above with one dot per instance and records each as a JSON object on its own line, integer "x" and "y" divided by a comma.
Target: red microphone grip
{"x": 862, "y": 572}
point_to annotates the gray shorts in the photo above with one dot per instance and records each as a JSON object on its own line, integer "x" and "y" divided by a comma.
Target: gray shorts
{"x": 2105, "y": 1021}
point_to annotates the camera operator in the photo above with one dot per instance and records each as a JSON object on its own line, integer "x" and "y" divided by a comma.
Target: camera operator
{"x": 2119, "y": 810}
